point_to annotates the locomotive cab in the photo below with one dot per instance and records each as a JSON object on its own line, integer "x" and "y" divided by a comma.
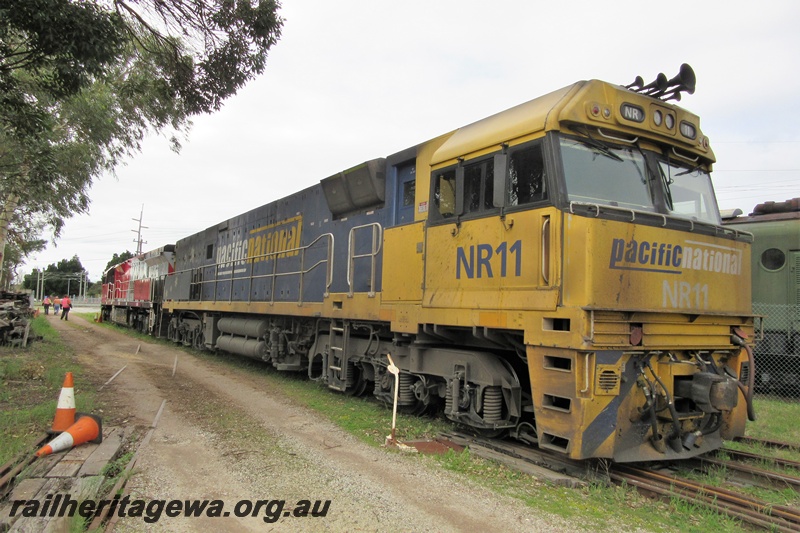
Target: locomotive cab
{"x": 586, "y": 219}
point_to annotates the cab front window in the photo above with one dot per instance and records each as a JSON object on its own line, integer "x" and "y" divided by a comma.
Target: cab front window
{"x": 606, "y": 175}
{"x": 689, "y": 193}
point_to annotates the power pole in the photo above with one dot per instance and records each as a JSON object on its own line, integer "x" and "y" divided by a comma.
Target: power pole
{"x": 138, "y": 240}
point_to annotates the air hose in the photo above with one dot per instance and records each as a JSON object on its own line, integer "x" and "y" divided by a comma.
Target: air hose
{"x": 748, "y": 394}
{"x": 674, "y": 437}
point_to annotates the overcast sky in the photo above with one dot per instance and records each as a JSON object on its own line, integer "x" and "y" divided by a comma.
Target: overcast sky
{"x": 354, "y": 80}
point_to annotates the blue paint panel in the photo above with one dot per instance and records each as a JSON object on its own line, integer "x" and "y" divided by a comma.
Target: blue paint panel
{"x": 599, "y": 429}
{"x": 220, "y": 263}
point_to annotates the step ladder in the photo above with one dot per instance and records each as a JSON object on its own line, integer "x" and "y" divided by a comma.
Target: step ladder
{"x": 337, "y": 355}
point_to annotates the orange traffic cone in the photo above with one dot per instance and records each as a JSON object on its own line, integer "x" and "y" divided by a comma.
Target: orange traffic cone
{"x": 65, "y": 410}
{"x": 88, "y": 428}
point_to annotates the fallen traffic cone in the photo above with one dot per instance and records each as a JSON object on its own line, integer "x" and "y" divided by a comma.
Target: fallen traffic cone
{"x": 88, "y": 428}
{"x": 65, "y": 410}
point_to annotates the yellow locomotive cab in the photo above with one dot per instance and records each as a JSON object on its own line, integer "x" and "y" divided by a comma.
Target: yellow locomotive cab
{"x": 585, "y": 220}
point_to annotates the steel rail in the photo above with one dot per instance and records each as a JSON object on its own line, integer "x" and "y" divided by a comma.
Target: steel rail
{"x": 769, "y": 443}
{"x": 738, "y": 455}
{"x": 758, "y": 476}
{"x": 741, "y": 506}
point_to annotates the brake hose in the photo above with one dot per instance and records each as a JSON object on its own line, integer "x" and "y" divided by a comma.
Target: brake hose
{"x": 748, "y": 394}
{"x": 676, "y": 428}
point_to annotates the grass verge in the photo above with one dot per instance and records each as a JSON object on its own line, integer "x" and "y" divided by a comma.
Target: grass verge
{"x": 31, "y": 381}
{"x": 776, "y": 419}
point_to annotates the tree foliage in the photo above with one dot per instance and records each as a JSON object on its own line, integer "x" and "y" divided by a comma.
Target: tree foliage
{"x": 62, "y": 44}
{"x": 60, "y": 278}
{"x": 205, "y": 50}
{"x": 82, "y": 82}
{"x": 118, "y": 258}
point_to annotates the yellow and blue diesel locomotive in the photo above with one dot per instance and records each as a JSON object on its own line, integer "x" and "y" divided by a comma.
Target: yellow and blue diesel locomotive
{"x": 557, "y": 272}
{"x": 775, "y": 268}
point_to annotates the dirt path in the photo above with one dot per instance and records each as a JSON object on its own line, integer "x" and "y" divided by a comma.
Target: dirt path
{"x": 274, "y": 450}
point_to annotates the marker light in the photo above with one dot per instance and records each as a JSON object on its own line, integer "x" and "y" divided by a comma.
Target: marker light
{"x": 688, "y": 130}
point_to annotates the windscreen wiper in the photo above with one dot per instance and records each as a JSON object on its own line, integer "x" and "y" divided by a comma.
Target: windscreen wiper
{"x": 689, "y": 171}
{"x": 599, "y": 148}
{"x": 597, "y": 145}
{"x": 667, "y": 181}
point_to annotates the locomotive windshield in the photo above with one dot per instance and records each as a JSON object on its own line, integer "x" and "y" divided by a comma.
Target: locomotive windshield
{"x": 603, "y": 174}
{"x": 688, "y": 192}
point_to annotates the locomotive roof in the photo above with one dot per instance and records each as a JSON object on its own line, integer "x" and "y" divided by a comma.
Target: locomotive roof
{"x": 564, "y": 106}
{"x": 770, "y": 211}
{"x": 504, "y": 126}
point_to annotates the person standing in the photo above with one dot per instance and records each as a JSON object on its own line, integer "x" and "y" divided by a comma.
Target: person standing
{"x": 66, "y": 305}
{"x": 46, "y": 303}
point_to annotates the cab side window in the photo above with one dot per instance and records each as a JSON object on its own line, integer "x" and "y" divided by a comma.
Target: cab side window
{"x": 444, "y": 194}
{"x": 526, "y": 176}
{"x": 478, "y": 186}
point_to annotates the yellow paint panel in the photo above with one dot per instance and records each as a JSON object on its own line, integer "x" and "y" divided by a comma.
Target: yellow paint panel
{"x": 492, "y": 319}
{"x": 403, "y": 254}
{"x": 490, "y": 263}
{"x": 406, "y": 319}
{"x": 622, "y": 265}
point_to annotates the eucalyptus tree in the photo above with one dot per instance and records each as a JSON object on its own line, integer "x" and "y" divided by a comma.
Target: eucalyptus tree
{"x": 82, "y": 82}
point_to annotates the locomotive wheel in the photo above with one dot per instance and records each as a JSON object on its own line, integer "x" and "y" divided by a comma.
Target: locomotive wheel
{"x": 360, "y": 385}
{"x": 199, "y": 341}
{"x": 422, "y": 407}
{"x": 417, "y": 409}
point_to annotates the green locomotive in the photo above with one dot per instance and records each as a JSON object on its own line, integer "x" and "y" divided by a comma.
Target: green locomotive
{"x": 776, "y": 291}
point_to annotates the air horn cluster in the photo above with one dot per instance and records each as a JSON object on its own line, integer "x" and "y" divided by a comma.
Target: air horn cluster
{"x": 665, "y": 89}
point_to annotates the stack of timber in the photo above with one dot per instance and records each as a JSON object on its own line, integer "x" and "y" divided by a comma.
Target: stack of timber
{"x": 16, "y": 313}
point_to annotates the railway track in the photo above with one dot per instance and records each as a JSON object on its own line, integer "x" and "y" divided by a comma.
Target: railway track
{"x": 775, "y": 445}
{"x": 739, "y": 469}
{"x": 745, "y": 467}
{"x": 735, "y": 504}
{"x": 742, "y": 456}
{"x": 667, "y": 483}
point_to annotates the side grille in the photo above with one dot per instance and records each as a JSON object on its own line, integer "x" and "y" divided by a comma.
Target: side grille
{"x": 744, "y": 372}
{"x": 607, "y": 380}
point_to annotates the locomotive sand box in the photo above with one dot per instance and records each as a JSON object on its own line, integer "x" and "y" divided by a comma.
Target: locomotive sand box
{"x": 557, "y": 271}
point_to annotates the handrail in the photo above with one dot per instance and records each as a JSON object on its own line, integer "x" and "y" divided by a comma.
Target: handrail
{"x": 546, "y": 250}
{"x": 228, "y": 277}
{"x": 718, "y": 229}
{"x": 377, "y": 241}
